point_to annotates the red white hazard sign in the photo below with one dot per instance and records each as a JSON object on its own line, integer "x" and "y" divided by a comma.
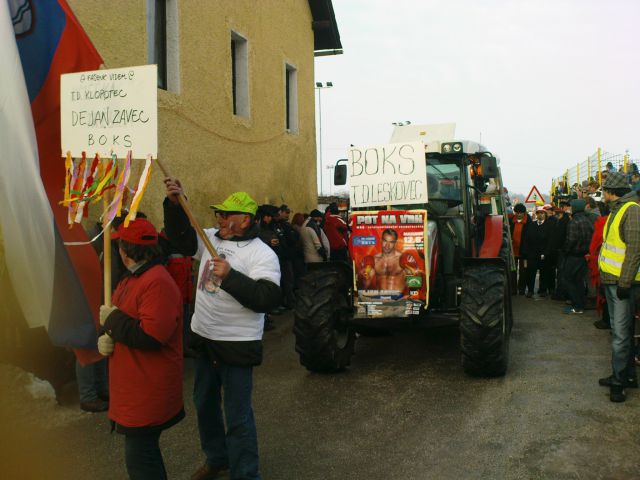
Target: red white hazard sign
{"x": 535, "y": 196}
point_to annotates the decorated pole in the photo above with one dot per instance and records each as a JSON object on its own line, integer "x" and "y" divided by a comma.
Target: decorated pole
{"x": 106, "y": 252}
{"x": 192, "y": 219}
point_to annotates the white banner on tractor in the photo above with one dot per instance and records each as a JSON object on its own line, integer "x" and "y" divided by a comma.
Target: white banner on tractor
{"x": 392, "y": 174}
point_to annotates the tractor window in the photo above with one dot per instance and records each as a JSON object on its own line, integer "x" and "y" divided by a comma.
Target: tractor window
{"x": 443, "y": 181}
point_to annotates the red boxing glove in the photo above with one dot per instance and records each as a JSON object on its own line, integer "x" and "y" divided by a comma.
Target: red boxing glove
{"x": 408, "y": 262}
{"x": 366, "y": 270}
{"x": 367, "y": 261}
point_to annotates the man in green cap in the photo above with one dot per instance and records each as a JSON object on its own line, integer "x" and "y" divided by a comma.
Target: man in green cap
{"x": 234, "y": 290}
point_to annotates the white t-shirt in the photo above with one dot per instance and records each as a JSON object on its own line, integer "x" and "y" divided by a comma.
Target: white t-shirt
{"x": 217, "y": 315}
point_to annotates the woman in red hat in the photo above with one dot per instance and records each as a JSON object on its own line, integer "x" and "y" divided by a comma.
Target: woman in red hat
{"x": 143, "y": 340}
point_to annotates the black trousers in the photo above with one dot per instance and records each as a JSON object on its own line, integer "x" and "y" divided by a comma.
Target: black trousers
{"x": 143, "y": 457}
{"x": 575, "y": 272}
{"x": 561, "y": 290}
{"x": 340, "y": 255}
{"x": 548, "y": 274}
{"x": 287, "y": 283}
{"x": 519, "y": 281}
{"x": 533, "y": 265}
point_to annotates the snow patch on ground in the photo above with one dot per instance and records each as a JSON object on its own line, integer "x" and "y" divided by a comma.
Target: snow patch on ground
{"x": 28, "y": 401}
{"x": 39, "y": 389}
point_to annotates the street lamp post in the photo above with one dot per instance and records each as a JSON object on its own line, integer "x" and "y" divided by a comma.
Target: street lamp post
{"x": 320, "y": 86}
{"x": 330, "y": 168}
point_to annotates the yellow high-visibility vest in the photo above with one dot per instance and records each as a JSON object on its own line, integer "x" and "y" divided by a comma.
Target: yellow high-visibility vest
{"x": 613, "y": 248}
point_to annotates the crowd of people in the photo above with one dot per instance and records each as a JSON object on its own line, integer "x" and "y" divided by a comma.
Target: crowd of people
{"x": 260, "y": 255}
{"x": 586, "y": 252}
{"x": 592, "y": 187}
{"x": 298, "y": 241}
{"x": 583, "y": 252}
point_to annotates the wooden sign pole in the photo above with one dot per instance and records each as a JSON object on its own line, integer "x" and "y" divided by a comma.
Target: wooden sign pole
{"x": 192, "y": 219}
{"x": 106, "y": 251}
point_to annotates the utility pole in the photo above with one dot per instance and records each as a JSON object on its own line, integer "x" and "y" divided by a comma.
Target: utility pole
{"x": 319, "y": 87}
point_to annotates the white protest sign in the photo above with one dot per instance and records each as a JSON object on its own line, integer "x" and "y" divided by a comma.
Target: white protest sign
{"x": 393, "y": 174}
{"x": 110, "y": 110}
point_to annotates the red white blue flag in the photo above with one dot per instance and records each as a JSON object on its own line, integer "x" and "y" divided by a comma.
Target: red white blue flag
{"x": 57, "y": 287}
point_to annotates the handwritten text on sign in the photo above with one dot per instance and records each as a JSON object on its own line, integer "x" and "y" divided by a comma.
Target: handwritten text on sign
{"x": 392, "y": 174}
{"x": 110, "y": 110}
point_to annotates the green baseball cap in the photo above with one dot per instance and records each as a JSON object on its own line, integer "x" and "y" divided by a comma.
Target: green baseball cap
{"x": 237, "y": 202}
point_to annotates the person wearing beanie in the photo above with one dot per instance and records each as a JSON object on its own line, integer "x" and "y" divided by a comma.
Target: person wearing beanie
{"x": 337, "y": 232}
{"x": 618, "y": 264}
{"x": 558, "y": 236}
{"x": 576, "y": 246}
{"x": 518, "y": 225}
{"x": 315, "y": 244}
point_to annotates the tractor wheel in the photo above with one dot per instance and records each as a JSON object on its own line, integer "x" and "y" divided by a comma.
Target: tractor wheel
{"x": 324, "y": 340}
{"x": 484, "y": 329}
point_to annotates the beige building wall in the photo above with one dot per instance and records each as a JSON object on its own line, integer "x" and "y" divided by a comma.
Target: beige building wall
{"x": 211, "y": 150}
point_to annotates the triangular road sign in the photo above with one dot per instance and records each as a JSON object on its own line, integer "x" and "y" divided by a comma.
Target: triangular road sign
{"x": 534, "y": 196}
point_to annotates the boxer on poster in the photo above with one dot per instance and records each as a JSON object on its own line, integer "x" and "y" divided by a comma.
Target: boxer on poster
{"x": 387, "y": 270}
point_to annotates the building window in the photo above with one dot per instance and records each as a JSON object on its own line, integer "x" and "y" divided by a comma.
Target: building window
{"x": 239, "y": 75}
{"x": 291, "y": 98}
{"x": 162, "y": 42}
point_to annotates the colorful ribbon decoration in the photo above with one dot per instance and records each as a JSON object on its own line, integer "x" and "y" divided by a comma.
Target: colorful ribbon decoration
{"x": 116, "y": 205}
{"x": 86, "y": 169}
{"x": 142, "y": 186}
{"x": 88, "y": 181}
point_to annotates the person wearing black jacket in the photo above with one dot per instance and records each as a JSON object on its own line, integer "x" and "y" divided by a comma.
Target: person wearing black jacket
{"x": 576, "y": 246}
{"x": 292, "y": 239}
{"x": 234, "y": 290}
{"x": 274, "y": 233}
{"x": 548, "y": 272}
{"x": 558, "y": 236}
{"x": 535, "y": 247}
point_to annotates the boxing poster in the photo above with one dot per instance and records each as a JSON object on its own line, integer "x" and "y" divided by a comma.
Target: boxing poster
{"x": 388, "y": 250}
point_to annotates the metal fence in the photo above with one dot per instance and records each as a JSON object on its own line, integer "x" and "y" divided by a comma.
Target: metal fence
{"x": 592, "y": 168}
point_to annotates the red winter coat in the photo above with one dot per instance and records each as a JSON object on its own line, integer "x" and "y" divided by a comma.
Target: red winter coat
{"x": 179, "y": 268}
{"x": 145, "y": 378}
{"x": 336, "y": 231}
{"x": 592, "y": 259}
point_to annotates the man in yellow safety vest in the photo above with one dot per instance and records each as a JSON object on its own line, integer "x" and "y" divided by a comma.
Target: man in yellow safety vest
{"x": 619, "y": 275}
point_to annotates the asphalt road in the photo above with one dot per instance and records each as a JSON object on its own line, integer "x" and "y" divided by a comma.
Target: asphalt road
{"x": 404, "y": 410}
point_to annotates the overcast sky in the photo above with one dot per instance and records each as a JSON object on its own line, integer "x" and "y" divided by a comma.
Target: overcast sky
{"x": 545, "y": 82}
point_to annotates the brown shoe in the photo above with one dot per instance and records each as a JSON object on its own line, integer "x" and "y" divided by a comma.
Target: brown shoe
{"x": 95, "y": 406}
{"x": 208, "y": 472}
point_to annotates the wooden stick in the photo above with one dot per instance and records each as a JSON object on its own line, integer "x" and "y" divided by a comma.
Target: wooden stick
{"x": 106, "y": 252}
{"x": 192, "y": 219}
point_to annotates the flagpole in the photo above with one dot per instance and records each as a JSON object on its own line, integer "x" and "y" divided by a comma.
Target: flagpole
{"x": 192, "y": 219}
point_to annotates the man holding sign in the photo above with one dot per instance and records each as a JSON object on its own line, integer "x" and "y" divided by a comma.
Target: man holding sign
{"x": 234, "y": 291}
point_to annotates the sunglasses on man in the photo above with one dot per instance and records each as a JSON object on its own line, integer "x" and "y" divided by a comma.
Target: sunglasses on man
{"x": 226, "y": 215}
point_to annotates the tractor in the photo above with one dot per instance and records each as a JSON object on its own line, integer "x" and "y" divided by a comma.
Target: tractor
{"x": 454, "y": 267}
